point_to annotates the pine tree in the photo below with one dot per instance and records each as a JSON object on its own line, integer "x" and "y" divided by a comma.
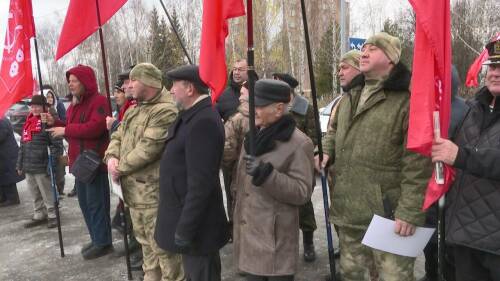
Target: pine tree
{"x": 324, "y": 64}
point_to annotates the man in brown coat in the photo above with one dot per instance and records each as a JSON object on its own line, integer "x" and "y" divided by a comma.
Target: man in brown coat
{"x": 274, "y": 184}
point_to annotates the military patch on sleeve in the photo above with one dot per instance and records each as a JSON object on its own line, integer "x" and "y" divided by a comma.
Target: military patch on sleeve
{"x": 101, "y": 110}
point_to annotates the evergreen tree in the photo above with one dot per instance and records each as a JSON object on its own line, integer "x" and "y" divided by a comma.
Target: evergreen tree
{"x": 323, "y": 66}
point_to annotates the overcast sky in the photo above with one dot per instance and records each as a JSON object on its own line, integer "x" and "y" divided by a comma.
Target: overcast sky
{"x": 360, "y": 10}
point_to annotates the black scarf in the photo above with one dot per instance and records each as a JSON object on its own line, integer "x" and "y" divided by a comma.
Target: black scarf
{"x": 265, "y": 140}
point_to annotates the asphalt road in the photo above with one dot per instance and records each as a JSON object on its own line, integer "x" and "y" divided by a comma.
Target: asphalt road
{"x": 33, "y": 254}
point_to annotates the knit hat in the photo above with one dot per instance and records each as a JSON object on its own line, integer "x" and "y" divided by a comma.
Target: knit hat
{"x": 352, "y": 58}
{"x": 390, "y": 45}
{"x": 147, "y": 74}
{"x": 38, "y": 100}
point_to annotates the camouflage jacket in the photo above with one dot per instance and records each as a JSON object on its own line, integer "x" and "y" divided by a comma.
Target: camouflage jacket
{"x": 373, "y": 171}
{"x": 138, "y": 144}
{"x": 235, "y": 129}
{"x": 302, "y": 112}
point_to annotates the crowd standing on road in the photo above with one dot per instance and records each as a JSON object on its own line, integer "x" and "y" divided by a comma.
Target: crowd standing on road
{"x": 165, "y": 148}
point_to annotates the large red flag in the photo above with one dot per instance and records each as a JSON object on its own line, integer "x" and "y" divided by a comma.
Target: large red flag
{"x": 16, "y": 78}
{"x": 431, "y": 84}
{"x": 214, "y": 31}
{"x": 81, "y": 22}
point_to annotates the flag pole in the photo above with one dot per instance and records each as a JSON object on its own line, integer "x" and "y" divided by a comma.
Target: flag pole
{"x": 251, "y": 78}
{"x": 106, "y": 83}
{"x": 176, "y": 33}
{"x": 439, "y": 178}
{"x": 331, "y": 255}
{"x": 50, "y": 158}
{"x": 103, "y": 53}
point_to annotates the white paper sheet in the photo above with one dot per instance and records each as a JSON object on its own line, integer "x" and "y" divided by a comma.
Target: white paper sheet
{"x": 116, "y": 187}
{"x": 380, "y": 235}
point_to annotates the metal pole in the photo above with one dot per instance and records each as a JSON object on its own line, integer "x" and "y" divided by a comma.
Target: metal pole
{"x": 331, "y": 255}
{"x": 176, "y": 32}
{"x": 106, "y": 83}
{"x": 251, "y": 78}
{"x": 103, "y": 52}
{"x": 51, "y": 160}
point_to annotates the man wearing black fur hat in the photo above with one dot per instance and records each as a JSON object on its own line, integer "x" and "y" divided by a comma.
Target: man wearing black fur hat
{"x": 302, "y": 112}
{"x": 273, "y": 184}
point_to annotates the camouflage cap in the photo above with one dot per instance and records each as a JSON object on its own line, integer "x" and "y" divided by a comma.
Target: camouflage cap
{"x": 390, "y": 45}
{"x": 148, "y": 74}
{"x": 352, "y": 58}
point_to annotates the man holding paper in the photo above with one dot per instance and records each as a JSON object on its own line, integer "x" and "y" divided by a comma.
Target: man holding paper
{"x": 133, "y": 156}
{"x": 373, "y": 172}
{"x": 473, "y": 202}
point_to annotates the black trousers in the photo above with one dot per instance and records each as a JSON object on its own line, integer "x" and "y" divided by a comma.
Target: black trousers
{"x": 476, "y": 265}
{"x": 202, "y": 268}
{"x": 251, "y": 277}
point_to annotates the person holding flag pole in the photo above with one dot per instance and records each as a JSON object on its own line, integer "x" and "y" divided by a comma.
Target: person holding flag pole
{"x": 472, "y": 226}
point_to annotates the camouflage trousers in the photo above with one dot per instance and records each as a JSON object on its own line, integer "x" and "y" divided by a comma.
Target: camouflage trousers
{"x": 356, "y": 260}
{"x": 158, "y": 264}
{"x": 307, "y": 221}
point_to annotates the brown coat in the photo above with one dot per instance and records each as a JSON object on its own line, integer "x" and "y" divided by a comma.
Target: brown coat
{"x": 266, "y": 218}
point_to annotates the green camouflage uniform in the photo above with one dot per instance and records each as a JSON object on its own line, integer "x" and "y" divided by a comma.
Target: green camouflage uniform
{"x": 138, "y": 144}
{"x": 374, "y": 173}
{"x": 305, "y": 123}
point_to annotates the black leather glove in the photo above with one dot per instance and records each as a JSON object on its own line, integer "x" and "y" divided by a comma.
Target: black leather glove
{"x": 252, "y": 164}
{"x": 183, "y": 244}
{"x": 257, "y": 169}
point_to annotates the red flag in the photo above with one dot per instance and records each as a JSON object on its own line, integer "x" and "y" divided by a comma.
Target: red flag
{"x": 81, "y": 22}
{"x": 16, "y": 78}
{"x": 475, "y": 67}
{"x": 214, "y": 31}
{"x": 431, "y": 84}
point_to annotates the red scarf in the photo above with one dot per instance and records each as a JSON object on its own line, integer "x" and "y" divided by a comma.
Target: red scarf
{"x": 32, "y": 126}
{"x": 127, "y": 105}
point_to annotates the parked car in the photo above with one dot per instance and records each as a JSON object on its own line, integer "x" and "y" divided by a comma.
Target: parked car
{"x": 17, "y": 115}
{"x": 324, "y": 115}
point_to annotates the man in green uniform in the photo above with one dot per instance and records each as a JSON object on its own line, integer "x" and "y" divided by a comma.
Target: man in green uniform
{"x": 373, "y": 171}
{"x": 133, "y": 156}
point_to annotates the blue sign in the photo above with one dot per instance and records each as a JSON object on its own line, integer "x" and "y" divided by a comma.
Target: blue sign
{"x": 356, "y": 43}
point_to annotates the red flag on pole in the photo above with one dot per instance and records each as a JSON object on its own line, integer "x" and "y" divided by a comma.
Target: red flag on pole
{"x": 16, "y": 78}
{"x": 81, "y": 22}
{"x": 431, "y": 85}
{"x": 214, "y": 31}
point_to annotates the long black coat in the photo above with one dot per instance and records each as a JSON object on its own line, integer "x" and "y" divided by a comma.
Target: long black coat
{"x": 191, "y": 202}
{"x": 8, "y": 154}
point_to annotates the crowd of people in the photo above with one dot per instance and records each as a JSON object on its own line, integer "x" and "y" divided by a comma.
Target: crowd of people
{"x": 166, "y": 149}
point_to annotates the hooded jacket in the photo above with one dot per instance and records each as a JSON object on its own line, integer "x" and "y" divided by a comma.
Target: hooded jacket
{"x": 86, "y": 120}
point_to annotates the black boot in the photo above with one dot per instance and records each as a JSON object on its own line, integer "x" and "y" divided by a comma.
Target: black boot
{"x": 309, "y": 251}
{"x": 97, "y": 251}
{"x": 10, "y": 195}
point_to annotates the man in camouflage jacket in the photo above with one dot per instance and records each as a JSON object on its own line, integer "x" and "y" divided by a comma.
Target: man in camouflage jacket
{"x": 133, "y": 156}
{"x": 374, "y": 173}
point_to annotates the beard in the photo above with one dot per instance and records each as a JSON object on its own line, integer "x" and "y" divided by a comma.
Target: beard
{"x": 75, "y": 100}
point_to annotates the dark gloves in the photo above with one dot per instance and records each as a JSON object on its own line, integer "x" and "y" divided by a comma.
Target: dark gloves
{"x": 181, "y": 243}
{"x": 257, "y": 169}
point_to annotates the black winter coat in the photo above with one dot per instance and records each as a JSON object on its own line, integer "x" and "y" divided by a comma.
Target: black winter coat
{"x": 473, "y": 202}
{"x": 191, "y": 204}
{"x": 8, "y": 154}
{"x": 33, "y": 157}
{"x": 228, "y": 102}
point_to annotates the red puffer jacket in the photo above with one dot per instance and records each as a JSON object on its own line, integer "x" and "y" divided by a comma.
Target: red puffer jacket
{"x": 93, "y": 108}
